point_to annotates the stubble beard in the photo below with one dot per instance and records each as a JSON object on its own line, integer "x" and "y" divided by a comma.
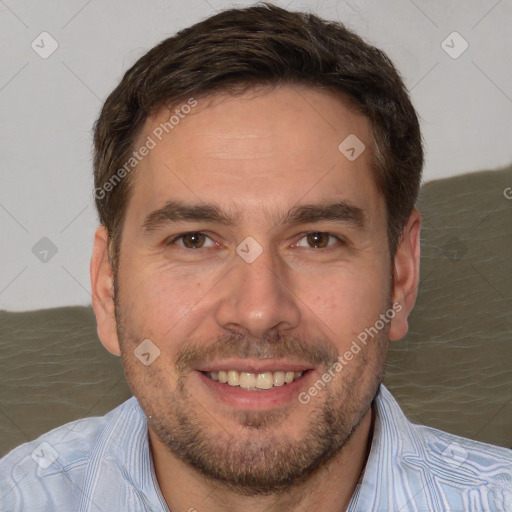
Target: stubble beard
{"x": 262, "y": 462}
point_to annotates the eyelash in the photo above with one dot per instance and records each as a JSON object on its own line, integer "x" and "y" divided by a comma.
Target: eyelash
{"x": 171, "y": 241}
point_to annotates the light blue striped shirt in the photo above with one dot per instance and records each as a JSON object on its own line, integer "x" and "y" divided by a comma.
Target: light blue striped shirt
{"x": 104, "y": 465}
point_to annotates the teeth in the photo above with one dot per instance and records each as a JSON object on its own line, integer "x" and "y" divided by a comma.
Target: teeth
{"x": 265, "y": 380}
{"x": 255, "y": 381}
{"x": 233, "y": 378}
{"x": 279, "y": 378}
{"x": 247, "y": 380}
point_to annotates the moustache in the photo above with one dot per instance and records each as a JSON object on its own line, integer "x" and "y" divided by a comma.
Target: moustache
{"x": 275, "y": 346}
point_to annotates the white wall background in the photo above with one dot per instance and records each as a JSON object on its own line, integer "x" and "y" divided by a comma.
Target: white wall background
{"x": 48, "y": 107}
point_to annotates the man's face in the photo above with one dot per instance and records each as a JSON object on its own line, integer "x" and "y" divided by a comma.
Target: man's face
{"x": 275, "y": 290}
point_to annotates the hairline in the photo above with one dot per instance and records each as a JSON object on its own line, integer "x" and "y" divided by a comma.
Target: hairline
{"x": 235, "y": 89}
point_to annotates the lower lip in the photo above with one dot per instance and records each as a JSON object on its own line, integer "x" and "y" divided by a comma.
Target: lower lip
{"x": 239, "y": 398}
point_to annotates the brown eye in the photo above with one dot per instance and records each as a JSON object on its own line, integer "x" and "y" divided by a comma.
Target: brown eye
{"x": 318, "y": 240}
{"x": 192, "y": 240}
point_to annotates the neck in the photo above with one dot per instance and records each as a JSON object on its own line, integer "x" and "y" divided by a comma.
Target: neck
{"x": 328, "y": 490}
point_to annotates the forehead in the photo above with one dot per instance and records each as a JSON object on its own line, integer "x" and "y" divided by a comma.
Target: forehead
{"x": 256, "y": 151}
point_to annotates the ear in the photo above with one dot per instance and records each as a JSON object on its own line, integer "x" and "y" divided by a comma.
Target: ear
{"x": 406, "y": 275}
{"x": 102, "y": 286}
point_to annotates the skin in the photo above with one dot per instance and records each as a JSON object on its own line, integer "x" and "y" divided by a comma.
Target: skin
{"x": 256, "y": 155}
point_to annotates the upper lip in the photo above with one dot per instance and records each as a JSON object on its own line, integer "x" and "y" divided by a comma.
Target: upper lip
{"x": 254, "y": 366}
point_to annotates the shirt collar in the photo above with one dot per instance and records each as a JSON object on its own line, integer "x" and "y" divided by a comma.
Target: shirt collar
{"x": 127, "y": 444}
{"x": 381, "y": 486}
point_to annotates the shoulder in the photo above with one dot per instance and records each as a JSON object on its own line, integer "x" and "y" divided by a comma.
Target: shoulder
{"x": 427, "y": 466}
{"x": 469, "y": 473}
{"x": 460, "y": 471}
{"x": 48, "y": 472}
{"x": 442, "y": 449}
{"x": 466, "y": 457}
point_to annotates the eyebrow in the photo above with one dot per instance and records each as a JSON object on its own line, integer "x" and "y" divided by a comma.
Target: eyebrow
{"x": 176, "y": 211}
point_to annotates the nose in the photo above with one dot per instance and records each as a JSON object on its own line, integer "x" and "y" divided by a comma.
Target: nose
{"x": 257, "y": 298}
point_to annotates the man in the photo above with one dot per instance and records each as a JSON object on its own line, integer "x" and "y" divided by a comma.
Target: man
{"x": 255, "y": 178}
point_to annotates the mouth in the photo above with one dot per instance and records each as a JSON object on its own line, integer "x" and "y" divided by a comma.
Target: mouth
{"x": 255, "y": 381}
{"x": 254, "y": 384}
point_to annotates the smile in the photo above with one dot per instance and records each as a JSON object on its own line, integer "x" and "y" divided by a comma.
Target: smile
{"x": 255, "y": 381}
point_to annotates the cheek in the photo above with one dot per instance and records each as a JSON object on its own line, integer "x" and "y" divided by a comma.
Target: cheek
{"x": 154, "y": 385}
{"x": 346, "y": 302}
{"x": 161, "y": 300}
{"x": 165, "y": 300}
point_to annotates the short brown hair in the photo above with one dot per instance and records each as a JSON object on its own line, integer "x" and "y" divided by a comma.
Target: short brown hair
{"x": 262, "y": 45}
